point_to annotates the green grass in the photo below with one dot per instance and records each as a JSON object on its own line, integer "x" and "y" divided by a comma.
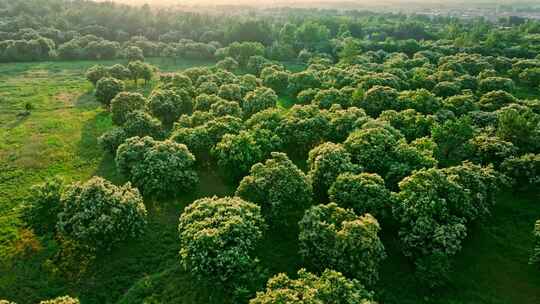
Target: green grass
{"x": 60, "y": 137}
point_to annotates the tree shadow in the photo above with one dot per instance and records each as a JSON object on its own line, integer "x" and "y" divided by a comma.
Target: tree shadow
{"x": 19, "y": 119}
{"x": 86, "y": 101}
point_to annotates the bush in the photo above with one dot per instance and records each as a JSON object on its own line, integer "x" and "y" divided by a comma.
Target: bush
{"x": 107, "y": 88}
{"x": 278, "y": 186}
{"x": 523, "y": 170}
{"x": 336, "y": 238}
{"x": 42, "y": 207}
{"x": 365, "y": 193}
{"x": 218, "y": 237}
{"x": 157, "y": 168}
{"x": 326, "y": 162}
{"x": 100, "y": 214}
{"x": 139, "y": 123}
{"x": 125, "y": 103}
{"x": 331, "y": 287}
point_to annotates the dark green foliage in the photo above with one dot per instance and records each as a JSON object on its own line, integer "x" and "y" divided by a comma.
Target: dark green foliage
{"x": 279, "y": 187}
{"x": 326, "y": 162}
{"x": 523, "y": 170}
{"x": 168, "y": 105}
{"x": 139, "y": 123}
{"x": 95, "y": 73}
{"x": 107, "y": 88}
{"x": 336, "y": 238}
{"x": 378, "y": 99}
{"x": 100, "y": 214}
{"x": 452, "y": 139}
{"x": 259, "y": 100}
{"x": 43, "y": 205}
{"x": 535, "y": 256}
{"x": 495, "y": 100}
{"x": 224, "y": 107}
{"x": 112, "y": 139}
{"x": 302, "y": 128}
{"x": 520, "y": 126}
{"x": 496, "y": 84}
{"x": 491, "y": 150}
{"x": 364, "y": 193}
{"x": 158, "y": 168}
{"x": 218, "y": 237}
{"x": 125, "y": 103}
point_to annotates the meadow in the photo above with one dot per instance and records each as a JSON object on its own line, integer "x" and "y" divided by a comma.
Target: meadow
{"x": 59, "y": 137}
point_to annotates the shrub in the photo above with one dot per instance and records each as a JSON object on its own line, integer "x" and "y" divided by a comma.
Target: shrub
{"x": 331, "y": 287}
{"x": 42, "y": 207}
{"x": 365, "y": 193}
{"x": 334, "y": 237}
{"x": 157, "y": 167}
{"x": 107, "y": 88}
{"x": 139, "y": 123}
{"x": 125, "y": 103}
{"x": 100, "y": 214}
{"x": 278, "y": 186}
{"x": 326, "y": 162}
{"x": 218, "y": 237}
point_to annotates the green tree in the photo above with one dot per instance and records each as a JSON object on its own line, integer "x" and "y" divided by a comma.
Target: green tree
{"x": 331, "y": 287}
{"x": 41, "y": 209}
{"x": 111, "y": 214}
{"x": 258, "y": 100}
{"x": 168, "y": 105}
{"x": 218, "y": 237}
{"x": 125, "y": 103}
{"x": 107, "y": 88}
{"x": 337, "y": 238}
{"x": 279, "y": 187}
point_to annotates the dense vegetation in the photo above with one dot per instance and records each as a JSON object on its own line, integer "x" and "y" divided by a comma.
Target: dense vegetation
{"x": 384, "y": 149}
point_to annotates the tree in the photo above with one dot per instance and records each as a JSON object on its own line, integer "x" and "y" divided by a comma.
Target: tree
{"x": 134, "y": 53}
{"x": 446, "y": 89}
{"x": 218, "y": 237}
{"x": 337, "y": 238}
{"x": 364, "y": 193}
{"x": 303, "y": 127}
{"x": 434, "y": 207}
{"x": 523, "y": 170}
{"x": 452, "y": 139}
{"x": 41, "y": 210}
{"x": 140, "y": 70}
{"x": 112, "y": 139}
{"x": 227, "y": 64}
{"x": 378, "y": 99}
{"x": 324, "y": 99}
{"x": 95, "y": 73}
{"x": 139, "y": 123}
{"x": 158, "y": 168}
{"x": 409, "y": 122}
{"x": 495, "y": 100}
{"x": 275, "y": 79}
{"x": 242, "y": 51}
{"x": 119, "y": 71}
{"x": 100, "y": 214}
{"x": 496, "y": 84}
{"x": 107, "y": 88}
{"x": 369, "y": 147}
{"x": 279, "y": 187}
{"x": 231, "y": 92}
{"x": 343, "y": 122}
{"x": 491, "y": 150}
{"x": 258, "y": 100}
{"x": 301, "y": 81}
{"x": 520, "y": 126}
{"x": 326, "y": 162}
{"x": 331, "y": 287}
{"x": 460, "y": 104}
{"x": 535, "y": 256}
{"x": 168, "y": 105}
{"x": 530, "y": 77}
{"x": 236, "y": 153}
{"x": 420, "y": 100}
{"x": 61, "y": 300}
{"x": 125, "y": 103}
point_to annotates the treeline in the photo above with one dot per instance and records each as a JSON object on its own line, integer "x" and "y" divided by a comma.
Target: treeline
{"x": 33, "y": 30}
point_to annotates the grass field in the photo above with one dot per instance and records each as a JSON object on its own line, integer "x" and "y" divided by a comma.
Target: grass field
{"x": 60, "y": 137}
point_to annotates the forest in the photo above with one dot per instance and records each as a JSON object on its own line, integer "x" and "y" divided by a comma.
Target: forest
{"x": 150, "y": 154}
